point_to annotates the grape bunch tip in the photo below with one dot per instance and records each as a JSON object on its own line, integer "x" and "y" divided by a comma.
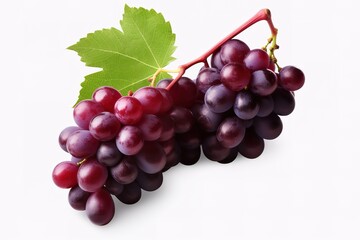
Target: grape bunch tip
{"x": 122, "y": 145}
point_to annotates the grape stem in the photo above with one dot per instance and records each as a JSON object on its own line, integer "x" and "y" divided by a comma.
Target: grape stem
{"x": 263, "y": 14}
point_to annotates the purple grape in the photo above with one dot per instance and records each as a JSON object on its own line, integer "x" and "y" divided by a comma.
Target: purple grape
{"x": 263, "y": 82}
{"x": 167, "y": 100}
{"x": 233, "y": 50}
{"x": 206, "y": 119}
{"x": 151, "y": 158}
{"x": 284, "y": 102}
{"x": 100, "y": 207}
{"x": 231, "y": 157}
{"x": 266, "y": 106}
{"x": 245, "y": 106}
{"x": 219, "y": 98}
{"x": 257, "y": 59}
{"x": 131, "y": 193}
{"x": 108, "y": 154}
{"x": 105, "y": 126}
{"x": 269, "y": 127}
{"x": 84, "y": 111}
{"x": 128, "y": 110}
{"x": 107, "y": 97}
{"x": 291, "y": 78}
{"x": 252, "y": 145}
{"x": 91, "y": 175}
{"x": 183, "y": 119}
{"x": 216, "y": 61}
{"x": 230, "y": 132}
{"x": 77, "y": 198}
{"x": 151, "y": 127}
{"x": 149, "y": 182}
{"x": 235, "y": 76}
{"x": 190, "y": 156}
{"x": 168, "y": 145}
{"x": 125, "y": 172}
{"x": 64, "y": 135}
{"x": 150, "y": 98}
{"x": 113, "y": 186}
{"x": 82, "y": 144}
{"x": 206, "y": 78}
{"x": 168, "y": 128}
{"x": 190, "y": 139}
{"x": 213, "y": 150}
{"x": 130, "y": 140}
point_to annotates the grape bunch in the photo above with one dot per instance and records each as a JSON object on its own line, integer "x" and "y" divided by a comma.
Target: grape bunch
{"x": 123, "y": 144}
{"x": 243, "y": 97}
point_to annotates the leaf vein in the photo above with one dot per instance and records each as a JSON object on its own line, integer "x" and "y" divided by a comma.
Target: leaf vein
{"x": 121, "y": 54}
{"x": 146, "y": 42}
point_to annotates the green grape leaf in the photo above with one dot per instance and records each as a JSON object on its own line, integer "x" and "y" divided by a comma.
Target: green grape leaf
{"x": 128, "y": 58}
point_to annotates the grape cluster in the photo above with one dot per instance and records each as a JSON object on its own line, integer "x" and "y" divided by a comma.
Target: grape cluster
{"x": 123, "y": 144}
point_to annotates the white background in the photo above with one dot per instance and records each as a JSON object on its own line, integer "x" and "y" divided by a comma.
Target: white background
{"x": 306, "y": 185}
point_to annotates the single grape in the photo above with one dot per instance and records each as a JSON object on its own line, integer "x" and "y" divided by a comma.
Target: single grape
{"x": 252, "y": 145}
{"x": 266, "y": 106}
{"x": 129, "y": 140}
{"x": 107, "y": 97}
{"x": 216, "y": 61}
{"x": 113, "y": 186}
{"x": 128, "y": 110}
{"x": 151, "y": 127}
{"x": 84, "y": 111}
{"x": 172, "y": 158}
{"x": 269, "y": 127}
{"x": 168, "y": 145}
{"x": 105, "y": 126}
{"x": 206, "y": 119}
{"x": 213, "y": 150}
{"x": 167, "y": 100}
{"x": 291, "y": 78}
{"x": 100, "y": 207}
{"x": 235, "y": 76}
{"x": 64, "y": 135}
{"x": 149, "y": 182}
{"x": 219, "y": 98}
{"x": 206, "y": 78}
{"x": 257, "y": 59}
{"x": 131, "y": 193}
{"x": 284, "y": 102}
{"x": 231, "y": 157}
{"x": 108, "y": 154}
{"x": 151, "y": 158}
{"x": 245, "y": 106}
{"x": 77, "y": 198}
{"x": 91, "y": 175}
{"x": 150, "y": 98}
{"x": 190, "y": 139}
{"x": 233, "y": 50}
{"x": 64, "y": 174}
{"x": 183, "y": 92}
{"x": 190, "y": 156}
{"x": 230, "y": 132}
{"x": 125, "y": 172}
{"x": 263, "y": 82}
{"x": 183, "y": 119}
{"x": 82, "y": 144}
{"x": 187, "y": 91}
{"x": 168, "y": 128}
